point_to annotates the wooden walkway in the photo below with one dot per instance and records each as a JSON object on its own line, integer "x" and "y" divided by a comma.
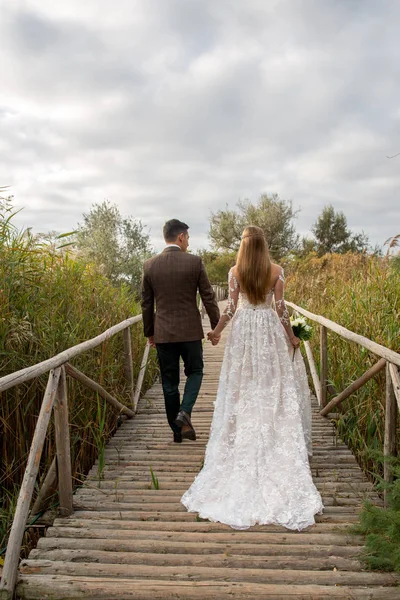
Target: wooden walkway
{"x": 129, "y": 540}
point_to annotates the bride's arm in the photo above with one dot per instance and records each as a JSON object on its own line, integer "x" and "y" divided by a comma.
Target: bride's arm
{"x": 282, "y": 310}
{"x": 233, "y": 287}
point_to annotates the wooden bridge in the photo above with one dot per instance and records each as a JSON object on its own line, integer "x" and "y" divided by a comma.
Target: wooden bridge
{"x": 129, "y": 537}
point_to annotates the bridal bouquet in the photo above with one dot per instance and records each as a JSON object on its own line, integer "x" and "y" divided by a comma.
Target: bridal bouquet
{"x": 301, "y": 329}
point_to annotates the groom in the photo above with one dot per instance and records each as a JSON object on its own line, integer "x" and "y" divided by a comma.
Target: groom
{"x": 171, "y": 281}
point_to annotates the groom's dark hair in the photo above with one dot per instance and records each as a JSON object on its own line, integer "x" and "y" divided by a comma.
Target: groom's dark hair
{"x": 173, "y": 228}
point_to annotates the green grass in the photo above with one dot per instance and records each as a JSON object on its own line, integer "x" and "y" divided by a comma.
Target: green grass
{"x": 154, "y": 480}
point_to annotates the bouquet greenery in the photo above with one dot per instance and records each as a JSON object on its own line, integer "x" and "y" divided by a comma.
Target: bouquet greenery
{"x": 301, "y": 329}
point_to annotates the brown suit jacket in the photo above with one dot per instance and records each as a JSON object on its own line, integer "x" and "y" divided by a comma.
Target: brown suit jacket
{"x": 171, "y": 280}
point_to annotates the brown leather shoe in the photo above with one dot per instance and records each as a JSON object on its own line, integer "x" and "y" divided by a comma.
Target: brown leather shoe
{"x": 183, "y": 420}
{"x": 188, "y": 433}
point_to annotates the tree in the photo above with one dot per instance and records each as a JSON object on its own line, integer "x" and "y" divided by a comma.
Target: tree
{"x": 307, "y": 245}
{"x": 217, "y": 264}
{"x": 273, "y": 215}
{"x": 119, "y": 245}
{"x": 333, "y": 235}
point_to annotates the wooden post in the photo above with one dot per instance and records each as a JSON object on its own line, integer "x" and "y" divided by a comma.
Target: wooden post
{"x": 313, "y": 371}
{"x": 323, "y": 369}
{"x": 63, "y": 446}
{"x": 141, "y": 377}
{"x": 389, "y": 448}
{"x": 10, "y": 569}
{"x": 129, "y": 364}
{"x": 47, "y": 490}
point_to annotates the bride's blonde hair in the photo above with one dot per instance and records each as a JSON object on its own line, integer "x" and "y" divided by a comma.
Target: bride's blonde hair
{"x": 253, "y": 265}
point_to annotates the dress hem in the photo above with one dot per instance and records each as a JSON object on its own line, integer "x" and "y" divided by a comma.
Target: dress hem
{"x": 287, "y": 524}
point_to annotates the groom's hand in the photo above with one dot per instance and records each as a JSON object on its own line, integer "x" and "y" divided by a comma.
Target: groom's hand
{"x": 214, "y": 339}
{"x": 151, "y": 342}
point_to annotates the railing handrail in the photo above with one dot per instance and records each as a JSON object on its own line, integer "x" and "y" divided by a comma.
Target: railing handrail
{"x": 389, "y": 358}
{"x": 47, "y": 365}
{"x": 28, "y": 373}
{"x": 374, "y": 347}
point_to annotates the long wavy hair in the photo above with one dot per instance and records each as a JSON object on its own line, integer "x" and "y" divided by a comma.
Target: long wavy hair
{"x": 253, "y": 265}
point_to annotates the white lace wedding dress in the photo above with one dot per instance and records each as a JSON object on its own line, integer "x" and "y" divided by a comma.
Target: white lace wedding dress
{"x": 256, "y": 468}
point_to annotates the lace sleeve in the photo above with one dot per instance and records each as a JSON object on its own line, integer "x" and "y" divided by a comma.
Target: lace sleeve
{"x": 281, "y": 308}
{"x": 233, "y": 286}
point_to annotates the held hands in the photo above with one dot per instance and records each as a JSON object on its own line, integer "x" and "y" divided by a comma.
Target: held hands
{"x": 214, "y": 339}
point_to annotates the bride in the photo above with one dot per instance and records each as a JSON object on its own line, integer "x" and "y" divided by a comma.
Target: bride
{"x": 256, "y": 468}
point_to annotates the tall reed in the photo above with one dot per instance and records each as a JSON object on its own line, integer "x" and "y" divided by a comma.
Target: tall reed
{"x": 49, "y": 301}
{"x": 361, "y": 293}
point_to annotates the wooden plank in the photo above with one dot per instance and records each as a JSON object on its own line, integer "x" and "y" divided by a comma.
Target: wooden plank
{"x": 278, "y": 576}
{"x": 376, "y": 368}
{"x": 140, "y": 380}
{"x": 96, "y": 387}
{"x": 63, "y": 446}
{"x": 37, "y": 587}
{"x": 129, "y": 364}
{"x": 170, "y": 558}
{"x": 56, "y": 361}
{"x": 394, "y": 373}
{"x": 176, "y": 491}
{"x": 117, "y": 520}
{"x": 9, "y": 577}
{"x": 171, "y": 545}
{"x": 389, "y": 446}
{"x": 323, "y": 368}
{"x": 313, "y": 371}
{"x": 375, "y": 348}
{"x": 260, "y": 537}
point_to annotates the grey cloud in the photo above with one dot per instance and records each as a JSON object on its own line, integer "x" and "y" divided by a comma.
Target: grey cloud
{"x": 177, "y": 108}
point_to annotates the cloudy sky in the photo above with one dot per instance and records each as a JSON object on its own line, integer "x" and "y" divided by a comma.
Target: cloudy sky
{"x": 175, "y": 108}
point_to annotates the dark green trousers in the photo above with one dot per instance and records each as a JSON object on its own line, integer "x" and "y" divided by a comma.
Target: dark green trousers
{"x": 168, "y": 357}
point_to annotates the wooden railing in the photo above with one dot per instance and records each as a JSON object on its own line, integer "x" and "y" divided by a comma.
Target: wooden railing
{"x": 55, "y": 398}
{"x": 220, "y": 294}
{"x": 389, "y": 360}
